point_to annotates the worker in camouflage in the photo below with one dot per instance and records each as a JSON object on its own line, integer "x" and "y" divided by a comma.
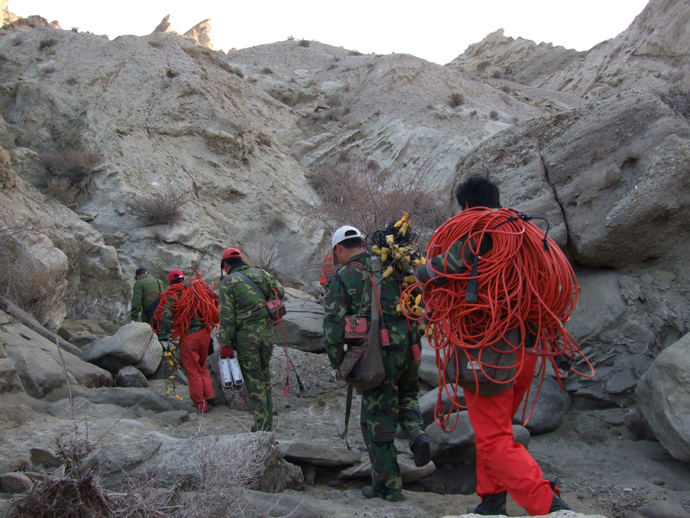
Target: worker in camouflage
{"x": 394, "y": 402}
{"x": 246, "y": 326}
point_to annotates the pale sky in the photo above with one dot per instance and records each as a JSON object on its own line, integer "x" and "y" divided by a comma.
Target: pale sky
{"x": 436, "y": 30}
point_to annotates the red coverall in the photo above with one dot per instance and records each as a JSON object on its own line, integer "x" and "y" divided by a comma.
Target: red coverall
{"x": 503, "y": 464}
{"x": 193, "y": 353}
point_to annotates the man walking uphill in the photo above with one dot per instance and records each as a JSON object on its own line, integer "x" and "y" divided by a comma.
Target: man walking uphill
{"x": 190, "y": 313}
{"x": 394, "y": 401}
{"x": 246, "y": 326}
{"x": 503, "y": 466}
{"x": 145, "y": 295}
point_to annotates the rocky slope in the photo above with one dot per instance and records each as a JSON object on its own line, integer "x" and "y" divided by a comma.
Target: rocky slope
{"x": 651, "y": 53}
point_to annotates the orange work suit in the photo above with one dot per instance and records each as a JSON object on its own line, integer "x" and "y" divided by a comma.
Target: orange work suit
{"x": 503, "y": 464}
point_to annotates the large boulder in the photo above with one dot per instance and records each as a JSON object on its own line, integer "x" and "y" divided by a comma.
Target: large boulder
{"x": 254, "y": 458}
{"x": 547, "y": 415}
{"x": 408, "y": 471}
{"x": 303, "y": 325}
{"x": 318, "y": 454}
{"x": 38, "y": 363}
{"x": 427, "y": 403}
{"x": 610, "y": 177}
{"x": 663, "y": 398}
{"x": 133, "y": 344}
{"x": 458, "y": 444}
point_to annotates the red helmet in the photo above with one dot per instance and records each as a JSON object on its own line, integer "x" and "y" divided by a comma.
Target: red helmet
{"x": 175, "y": 274}
{"x": 229, "y": 253}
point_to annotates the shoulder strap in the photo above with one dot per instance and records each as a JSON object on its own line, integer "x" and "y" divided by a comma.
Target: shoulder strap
{"x": 251, "y": 283}
{"x": 376, "y": 279}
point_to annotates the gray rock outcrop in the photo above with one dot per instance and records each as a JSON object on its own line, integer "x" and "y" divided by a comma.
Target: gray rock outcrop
{"x": 38, "y": 364}
{"x": 130, "y": 377}
{"x": 319, "y": 454}
{"x": 303, "y": 325}
{"x": 255, "y": 458}
{"x": 134, "y": 344}
{"x": 458, "y": 445}
{"x": 663, "y": 398}
{"x": 547, "y": 415}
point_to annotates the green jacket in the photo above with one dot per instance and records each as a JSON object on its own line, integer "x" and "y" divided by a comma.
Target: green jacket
{"x": 240, "y": 306}
{"x": 350, "y": 293}
{"x": 147, "y": 286}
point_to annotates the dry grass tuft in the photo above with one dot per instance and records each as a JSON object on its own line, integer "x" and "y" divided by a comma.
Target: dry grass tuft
{"x": 159, "y": 208}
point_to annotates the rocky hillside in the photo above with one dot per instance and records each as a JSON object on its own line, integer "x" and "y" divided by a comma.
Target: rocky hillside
{"x": 651, "y": 53}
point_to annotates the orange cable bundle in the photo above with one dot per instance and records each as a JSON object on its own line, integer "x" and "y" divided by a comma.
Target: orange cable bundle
{"x": 524, "y": 279}
{"x": 194, "y": 298}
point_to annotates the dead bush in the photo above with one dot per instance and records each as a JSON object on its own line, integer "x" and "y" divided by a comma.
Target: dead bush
{"x": 677, "y": 97}
{"x": 368, "y": 195}
{"x": 159, "y": 208}
{"x": 61, "y": 190}
{"x": 456, "y": 99}
{"x": 493, "y": 115}
{"x": 303, "y": 43}
{"x": 73, "y": 165}
{"x": 47, "y": 43}
{"x": 266, "y": 71}
{"x": 22, "y": 281}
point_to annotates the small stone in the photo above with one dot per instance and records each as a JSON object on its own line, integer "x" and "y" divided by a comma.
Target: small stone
{"x": 45, "y": 457}
{"x": 15, "y": 483}
{"x": 658, "y": 482}
{"x": 628, "y": 489}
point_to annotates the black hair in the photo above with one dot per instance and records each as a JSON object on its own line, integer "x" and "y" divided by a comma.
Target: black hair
{"x": 352, "y": 242}
{"x": 232, "y": 262}
{"x": 478, "y": 192}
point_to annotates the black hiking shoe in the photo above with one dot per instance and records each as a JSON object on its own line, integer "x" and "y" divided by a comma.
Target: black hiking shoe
{"x": 559, "y": 505}
{"x": 492, "y": 505}
{"x": 422, "y": 451}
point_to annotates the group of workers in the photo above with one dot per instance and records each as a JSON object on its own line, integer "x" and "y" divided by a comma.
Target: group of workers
{"x": 245, "y": 328}
{"x": 503, "y": 466}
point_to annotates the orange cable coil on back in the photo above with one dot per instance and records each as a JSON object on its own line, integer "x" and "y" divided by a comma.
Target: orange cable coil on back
{"x": 519, "y": 283}
{"x": 199, "y": 301}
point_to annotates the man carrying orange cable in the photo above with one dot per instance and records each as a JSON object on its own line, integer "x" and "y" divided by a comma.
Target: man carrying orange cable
{"x": 503, "y": 466}
{"x": 190, "y": 313}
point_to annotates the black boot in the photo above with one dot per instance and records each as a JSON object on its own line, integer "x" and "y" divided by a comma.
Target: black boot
{"x": 492, "y": 505}
{"x": 559, "y": 505}
{"x": 422, "y": 451}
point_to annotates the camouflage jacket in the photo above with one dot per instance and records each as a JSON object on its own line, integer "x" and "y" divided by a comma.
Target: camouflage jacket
{"x": 240, "y": 305}
{"x": 145, "y": 291}
{"x": 350, "y": 293}
{"x": 455, "y": 258}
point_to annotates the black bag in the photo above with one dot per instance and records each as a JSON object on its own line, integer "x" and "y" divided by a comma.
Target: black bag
{"x": 498, "y": 362}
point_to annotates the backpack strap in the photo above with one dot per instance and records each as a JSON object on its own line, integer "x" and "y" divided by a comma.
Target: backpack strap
{"x": 251, "y": 283}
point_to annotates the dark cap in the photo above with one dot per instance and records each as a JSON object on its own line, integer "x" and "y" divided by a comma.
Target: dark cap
{"x": 139, "y": 272}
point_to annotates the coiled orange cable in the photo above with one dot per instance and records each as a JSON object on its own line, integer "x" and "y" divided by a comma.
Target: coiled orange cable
{"x": 524, "y": 279}
{"x": 195, "y": 299}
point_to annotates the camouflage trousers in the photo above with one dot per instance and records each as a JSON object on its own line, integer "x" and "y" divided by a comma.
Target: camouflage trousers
{"x": 254, "y": 350}
{"x": 392, "y": 403}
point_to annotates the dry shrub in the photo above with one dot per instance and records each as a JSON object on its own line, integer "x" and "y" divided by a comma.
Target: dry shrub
{"x": 456, "y": 99}
{"x": 677, "y": 97}
{"x": 160, "y": 208}
{"x": 21, "y": 281}
{"x": 73, "y": 165}
{"x": 62, "y": 190}
{"x": 365, "y": 194}
{"x": 303, "y": 43}
{"x": 493, "y": 115}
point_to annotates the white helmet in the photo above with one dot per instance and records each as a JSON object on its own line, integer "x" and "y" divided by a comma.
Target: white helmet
{"x": 343, "y": 233}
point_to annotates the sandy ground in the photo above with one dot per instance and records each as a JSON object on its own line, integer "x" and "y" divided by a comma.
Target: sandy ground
{"x": 599, "y": 465}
